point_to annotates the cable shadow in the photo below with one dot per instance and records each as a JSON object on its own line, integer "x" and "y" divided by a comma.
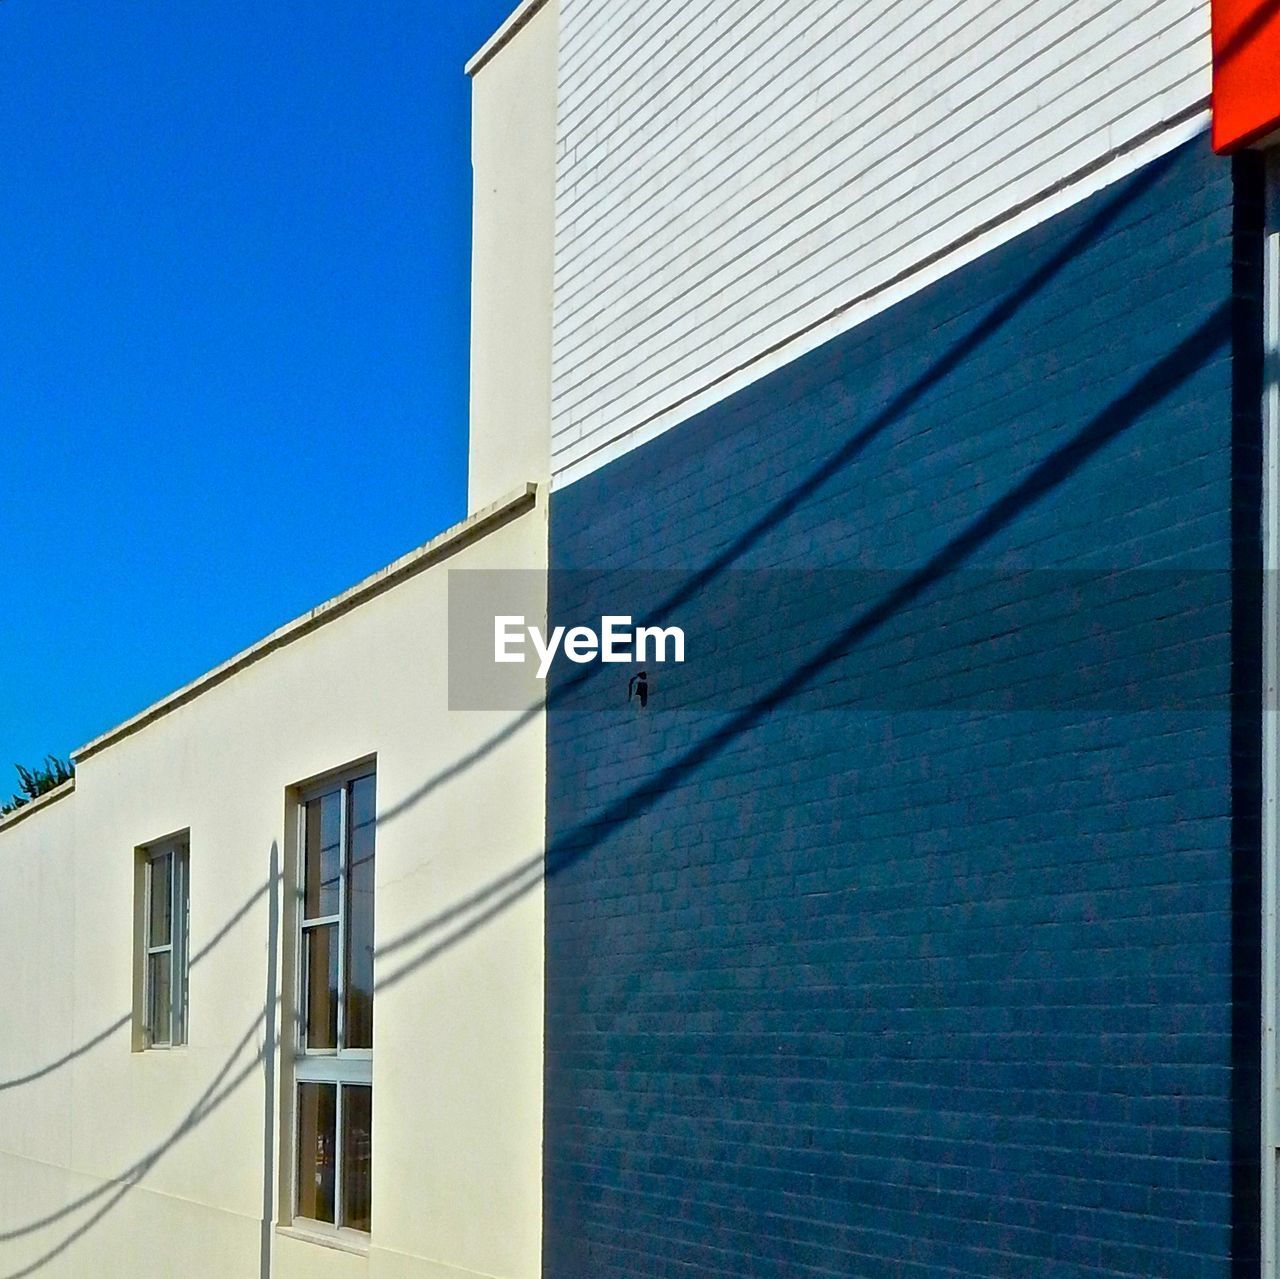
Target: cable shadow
{"x": 103, "y": 1035}
{"x": 901, "y": 404}
{"x": 213, "y": 1096}
{"x": 1168, "y": 373}
{"x": 223, "y": 1084}
{"x": 1247, "y": 31}
{"x": 466, "y": 916}
{"x": 1056, "y": 468}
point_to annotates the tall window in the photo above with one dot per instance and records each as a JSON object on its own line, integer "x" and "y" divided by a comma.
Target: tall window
{"x": 334, "y": 1075}
{"x": 164, "y": 942}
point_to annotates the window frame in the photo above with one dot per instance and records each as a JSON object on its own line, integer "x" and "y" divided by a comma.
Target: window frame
{"x": 339, "y": 1066}
{"x": 177, "y": 849}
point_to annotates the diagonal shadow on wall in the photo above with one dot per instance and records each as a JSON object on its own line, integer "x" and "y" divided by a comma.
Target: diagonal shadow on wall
{"x": 1247, "y": 32}
{"x": 1094, "y": 227}
{"x": 17, "y": 1081}
{"x": 222, "y": 1086}
{"x": 228, "y": 1079}
{"x": 444, "y": 930}
{"x": 437, "y": 935}
{"x": 1170, "y": 372}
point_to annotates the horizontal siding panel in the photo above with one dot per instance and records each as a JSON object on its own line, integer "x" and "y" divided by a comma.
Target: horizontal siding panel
{"x": 729, "y": 174}
{"x": 829, "y": 269}
{"x": 791, "y": 312}
{"x": 798, "y": 96}
{"x": 813, "y": 153}
{"x": 783, "y": 186}
{"x": 813, "y": 214}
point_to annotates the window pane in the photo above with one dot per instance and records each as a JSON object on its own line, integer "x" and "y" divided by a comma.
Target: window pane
{"x": 159, "y": 996}
{"x": 322, "y": 823}
{"x": 359, "y": 1018}
{"x": 357, "y": 1155}
{"x": 320, "y": 958}
{"x": 159, "y": 921}
{"x": 316, "y": 1131}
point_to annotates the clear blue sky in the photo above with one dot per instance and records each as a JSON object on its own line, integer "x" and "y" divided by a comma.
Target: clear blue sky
{"x": 233, "y": 329}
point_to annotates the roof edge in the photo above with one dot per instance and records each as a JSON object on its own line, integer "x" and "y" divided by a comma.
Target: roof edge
{"x": 61, "y": 791}
{"x": 504, "y": 34}
{"x": 440, "y": 547}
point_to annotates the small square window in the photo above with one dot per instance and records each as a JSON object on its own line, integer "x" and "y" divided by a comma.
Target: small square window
{"x": 162, "y": 1016}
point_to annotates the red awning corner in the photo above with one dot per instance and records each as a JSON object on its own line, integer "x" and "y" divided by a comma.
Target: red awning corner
{"x": 1246, "y": 72}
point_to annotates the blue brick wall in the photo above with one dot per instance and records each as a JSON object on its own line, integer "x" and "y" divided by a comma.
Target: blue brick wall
{"x": 843, "y": 984}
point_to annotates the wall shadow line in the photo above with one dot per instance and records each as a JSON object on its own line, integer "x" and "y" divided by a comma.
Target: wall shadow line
{"x": 1247, "y": 32}
{"x": 17, "y": 1081}
{"x": 1168, "y": 373}
{"x": 1056, "y": 468}
{"x": 463, "y": 918}
{"x": 212, "y": 1096}
{"x": 986, "y": 328}
{"x": 222, "y": 1086}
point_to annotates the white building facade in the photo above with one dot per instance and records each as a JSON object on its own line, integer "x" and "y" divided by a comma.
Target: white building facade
{"x": 274, "y": 958}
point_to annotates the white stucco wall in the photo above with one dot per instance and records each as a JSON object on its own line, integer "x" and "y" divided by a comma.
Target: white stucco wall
{"x": 513, "y": 160}
{"x": 194, "y": 1132}
{"x": 737, "y": 180}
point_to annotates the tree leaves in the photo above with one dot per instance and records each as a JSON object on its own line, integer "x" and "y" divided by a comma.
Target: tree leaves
{"x": 34, "y": 782}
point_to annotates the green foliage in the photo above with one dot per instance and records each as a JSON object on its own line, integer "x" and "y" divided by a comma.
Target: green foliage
{"x": 34, "y": 782}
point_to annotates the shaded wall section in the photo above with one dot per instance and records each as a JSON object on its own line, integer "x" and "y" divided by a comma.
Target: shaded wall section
{"x": 850, "y": 972}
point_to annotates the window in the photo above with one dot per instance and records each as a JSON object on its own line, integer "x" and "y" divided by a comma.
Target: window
{"x": 334, "y": 1066}
{"x": 164, "y": 945}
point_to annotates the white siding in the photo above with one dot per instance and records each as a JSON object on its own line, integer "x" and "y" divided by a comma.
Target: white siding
{"x": 730, "y": 174}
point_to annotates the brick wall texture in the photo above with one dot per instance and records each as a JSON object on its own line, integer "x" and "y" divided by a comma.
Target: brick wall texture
{"x": 966, "y": 985}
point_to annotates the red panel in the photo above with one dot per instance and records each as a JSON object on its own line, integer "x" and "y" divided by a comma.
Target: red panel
{"x": 1246, "y": 71}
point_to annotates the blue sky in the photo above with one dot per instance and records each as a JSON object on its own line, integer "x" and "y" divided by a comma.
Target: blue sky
{"x": 233, "y": 329}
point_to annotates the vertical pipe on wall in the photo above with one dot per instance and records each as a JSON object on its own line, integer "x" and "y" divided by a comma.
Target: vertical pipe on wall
{"x": 1270, "y": 726}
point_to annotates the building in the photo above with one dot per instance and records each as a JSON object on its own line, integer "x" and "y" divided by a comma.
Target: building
{"x": 920, "y": 363}
{"x": 214, "y": 867}
{"x": 916, "y": 931}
